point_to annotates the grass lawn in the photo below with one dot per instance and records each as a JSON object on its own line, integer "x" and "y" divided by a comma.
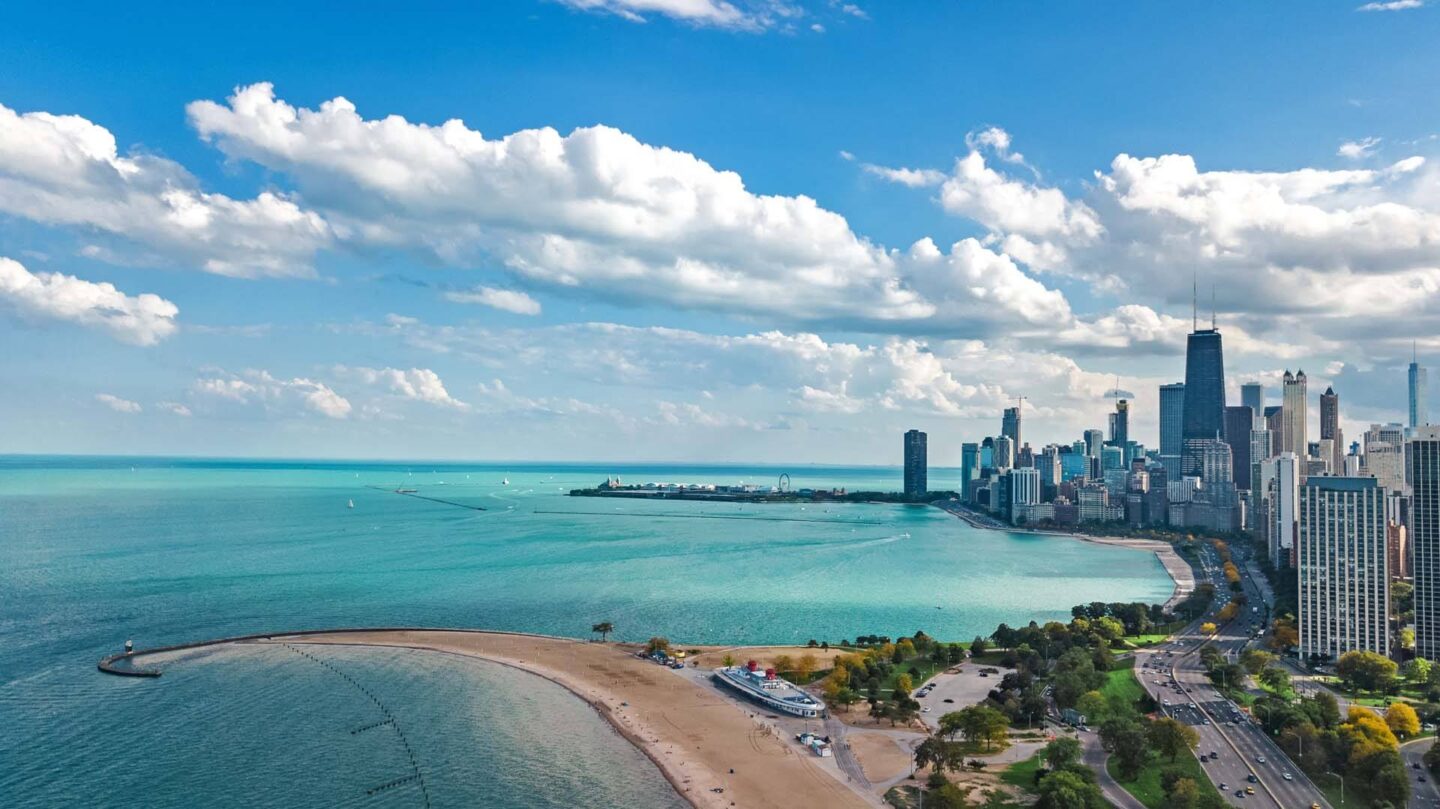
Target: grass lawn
{"x": 1146, "y": 787}
{"x": 1141, "y": 641}
{"x": 1121, "y": 682}
{"x": 1022, "y": 773}
{"x": 926, "y": 667}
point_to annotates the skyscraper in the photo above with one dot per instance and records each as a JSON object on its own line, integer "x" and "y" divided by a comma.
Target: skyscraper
{"x": 1172, "y": 418}
{"x": 1094, "y": 439}
{"x": 1294, "y": 415}
{"x": 1010, "y": 425}
{"x": 1239, "y": 422}
{"x": 1284, "y": 505}
{"x": 1342, "y": 566}
{"x": 969, "y": 469}
{"x": 1423, "y": 455}
{"x": 1330, "y": 430}
{"x": 1419, "y": 403}
{"x": 1004, "y": 452}
{"x": 1120, "y": 424}
{"x": 1252, "y": 395}
{"x": 1204, "y": 413}
{"x": 916, "y": 464}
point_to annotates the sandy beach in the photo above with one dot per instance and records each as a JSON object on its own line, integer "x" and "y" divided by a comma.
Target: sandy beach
{"x": 699, "y": 739}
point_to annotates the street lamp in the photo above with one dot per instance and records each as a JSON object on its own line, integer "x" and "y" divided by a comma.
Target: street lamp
{"x": 1342, "y": 784}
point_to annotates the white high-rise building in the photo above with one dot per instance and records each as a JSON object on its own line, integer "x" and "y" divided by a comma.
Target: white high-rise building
{"x": 1024, "y": 486}
{"x": 1384, "y": 455}
{"x": 1284, "y": 505}
{"x": 1342, "y": 568}
{"x": 1004, "y": 452}
{"x": 1294, "y": 415}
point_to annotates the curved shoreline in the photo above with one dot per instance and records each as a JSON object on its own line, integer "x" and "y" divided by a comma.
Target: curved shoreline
{"x": 691, "y": 734}
{"x": 1181, "y": 573}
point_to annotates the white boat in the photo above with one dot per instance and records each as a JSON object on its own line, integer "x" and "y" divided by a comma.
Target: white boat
{"x": 505, "y": 482}
{"x": 767, "y": 688}
{"x": 352, "y": 504}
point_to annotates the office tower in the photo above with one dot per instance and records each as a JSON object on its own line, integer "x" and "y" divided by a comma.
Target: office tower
{"x": 1342, "y": 567}
{"x": 969, "y": 469}
{"x": 1075, "y": 463}
{"x": 1204, "y": 410}
{"x": 1172, "y": 420}
{"x": 1004, "y": 452}
{"x": 1094, "y": 439}
{"x": 1330, "y": 430}
{"x": 1239, "y": 424}
{"x": 1385, "y": 455}
{"x": 1049, "y": 466}
{"x": 1252, "y": 395}
{"x": 1111, "y": 458}
{"x": 1259, "y": 454}
{"x": 1010, "y": 426}
{"x": 1024, "y": 457}
{"x": 1024, "y": 487}
{"x": 1419, "y": 403}
{"x": 1293, "y": 415}
{"x": 1284, "y": 503}
{"x": 1120, "y": 424}
{"x": 1423, "y": 453}
{"x": 987, "y": 453}
{"x": 1216, "y": 464}
{"x": 1397, "y": 550}
{"x": 916, "y": 471}
{"x": 1273, "y": 419}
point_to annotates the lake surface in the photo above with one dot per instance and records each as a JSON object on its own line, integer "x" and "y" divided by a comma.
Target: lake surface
{"x": 95, "y": 551}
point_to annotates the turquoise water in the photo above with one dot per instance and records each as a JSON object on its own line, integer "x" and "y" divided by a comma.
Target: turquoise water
{"x": 94, "y": 551}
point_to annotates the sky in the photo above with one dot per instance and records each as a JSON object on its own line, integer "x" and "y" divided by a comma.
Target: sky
{"x": 777, "y": 231}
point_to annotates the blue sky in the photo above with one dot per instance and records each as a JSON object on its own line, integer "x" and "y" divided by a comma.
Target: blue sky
{"x": 330, "y": 286}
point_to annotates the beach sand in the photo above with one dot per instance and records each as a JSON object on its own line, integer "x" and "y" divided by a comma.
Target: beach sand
{"x": 694, "y": 735}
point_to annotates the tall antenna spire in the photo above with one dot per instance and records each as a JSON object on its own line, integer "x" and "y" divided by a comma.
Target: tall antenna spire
{"x": 1212, "y": 306}
{"x": 1194, "y": 302}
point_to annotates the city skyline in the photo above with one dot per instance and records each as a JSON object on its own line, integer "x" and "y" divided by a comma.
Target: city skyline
{"x": 267, "y": 245}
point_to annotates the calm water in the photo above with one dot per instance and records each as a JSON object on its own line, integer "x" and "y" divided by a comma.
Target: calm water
{"x": 94, "y": 551}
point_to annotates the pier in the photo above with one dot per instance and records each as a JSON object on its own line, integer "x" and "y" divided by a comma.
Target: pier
{"x": 418, "y": 496}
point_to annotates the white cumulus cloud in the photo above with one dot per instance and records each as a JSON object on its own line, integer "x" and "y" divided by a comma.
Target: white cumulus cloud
{"x": 143, "y": 319}
{"x": 117, "y": 404}
{"x": 506, "y": 300}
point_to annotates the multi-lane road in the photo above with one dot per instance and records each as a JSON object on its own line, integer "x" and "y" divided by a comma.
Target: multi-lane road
{"x": 1240, "y": 759}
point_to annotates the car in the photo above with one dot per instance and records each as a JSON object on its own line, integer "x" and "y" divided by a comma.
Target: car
{"x": 1415, "y": 766}
{"x": 1420, "y": 778}
{"x": 1239, "y": 793}
{"x": 1287, "y": 776}
{"x": 1193, "y": 707}
{"x": 1204, "y": 758}
{"x": 1259, "y": 759}
{"x": 926, "y": 709}
{"x": 1252, "y": 779}
{"x": 1214, "y": 754}
{"x": 947, "y": 699}
{"x": 1223, "y": 786}
{"x": 1249, "y": 790}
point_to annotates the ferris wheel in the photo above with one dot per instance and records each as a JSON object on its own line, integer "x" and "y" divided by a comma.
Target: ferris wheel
{"x": 784, "y": 482}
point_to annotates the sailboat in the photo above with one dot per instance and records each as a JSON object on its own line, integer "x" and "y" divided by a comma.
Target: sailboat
{"x": 352, "y": 504}
{"x": 505, "y": 482}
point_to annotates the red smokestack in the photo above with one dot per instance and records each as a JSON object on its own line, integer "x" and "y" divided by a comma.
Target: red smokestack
{"x": 769, "y": 674}
{"x": 751, "y": 665}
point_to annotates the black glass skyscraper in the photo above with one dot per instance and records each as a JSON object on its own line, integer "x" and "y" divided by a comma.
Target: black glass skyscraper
{"x": 915, "y": 464}
{"x": 1204, "y": 396}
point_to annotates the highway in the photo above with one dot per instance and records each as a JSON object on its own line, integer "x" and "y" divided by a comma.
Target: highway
{"x": 1422, "y": 793}
{"x": 1173, "y": 674}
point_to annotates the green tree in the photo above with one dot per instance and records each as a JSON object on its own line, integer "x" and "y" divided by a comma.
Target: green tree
{"x": 1275, "y": 678}
{"x": 1418, "y": 670}
{"x": 1171, "y": 738}
{"x": 657, "y": 644}
{"x": 1184, "y": 794}
{"x": 1061, "y": 753}
{"x": 1124, "y": 739}
{"x": 1069, "y": 789}
{"x": 1365, "y": 670}
{"x": 603, "y": 629}
{"x": 1328, "y": 708}
{"x": 978, "y": 646}
{"x": 1093, "y": 705}
{"x": 1256, "y": 660}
